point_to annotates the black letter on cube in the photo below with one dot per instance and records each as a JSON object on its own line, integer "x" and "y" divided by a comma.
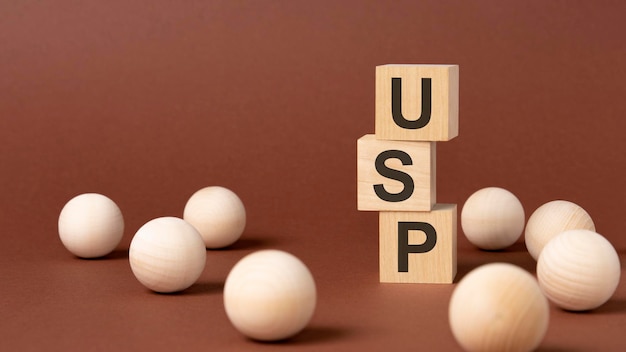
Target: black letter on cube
{"x": 383, "y": 170}
{"x": 396, "y": 104}
{"x": 404, "y": 248}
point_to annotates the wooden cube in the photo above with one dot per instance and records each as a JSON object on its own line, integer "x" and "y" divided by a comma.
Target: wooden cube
{"x": 418, "y": 247}
{"x": 417, "y": 102}
{"x": 395, "y": 175}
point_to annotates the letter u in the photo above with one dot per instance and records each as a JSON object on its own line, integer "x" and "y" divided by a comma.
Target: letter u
{"x": 396, "y": 104}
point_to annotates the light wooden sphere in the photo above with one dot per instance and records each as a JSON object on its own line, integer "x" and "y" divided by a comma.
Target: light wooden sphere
{"x": 578, "y": 270}
{"x": 218, "y": 214}
{"x": 492, "y": 218}
{"x": 498, "y": 307}
{"x": 551, "y": 219}
{"x": 91, "y": 225}
{"x": 269, "y": 295}
{"x": 167, "y": 255}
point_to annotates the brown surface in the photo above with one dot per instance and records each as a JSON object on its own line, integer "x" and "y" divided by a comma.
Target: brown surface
{"x": 147, "y": 103}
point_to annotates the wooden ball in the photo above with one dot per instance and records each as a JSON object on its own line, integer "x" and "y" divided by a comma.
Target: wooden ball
{"x": 167, "y": 255}
{"x": 492, "y": 218}
{"x": 551, "y": 219}
{"x": 578, "y": 270}
{"x": 269, "y": 295}
{"x": 218, "y": 214}
{"x": 91, "y": 225}
{"x": 498, "y": 307}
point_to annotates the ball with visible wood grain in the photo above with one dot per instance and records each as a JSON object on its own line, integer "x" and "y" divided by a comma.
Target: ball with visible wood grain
{"x": 91, "y": 225}
{"x": 167, "y": 254}
{"x": 552, "y": 218}
{"x": 270, "y": 295}
{"x": 578, "y": 270}
{"x": 492, "y": 218}
{"x": 218, "y": 214}
{"x": 498, "y": 307}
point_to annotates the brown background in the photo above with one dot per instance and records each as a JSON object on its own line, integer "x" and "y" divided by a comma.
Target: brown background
{"x": 147, "y": 102}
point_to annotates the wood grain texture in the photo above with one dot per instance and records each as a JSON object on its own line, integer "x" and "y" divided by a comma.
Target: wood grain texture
{"x": 552, "y": 218}
{"x": 167, "y": 254}
{"x": 422, "y": 171}
{"x": 444, "y": 116}
{"x": 435, "y": 266}
{"x": 579, "y": 270}
{"x": 218, "y": 214}
{"x": 492, "y": 218}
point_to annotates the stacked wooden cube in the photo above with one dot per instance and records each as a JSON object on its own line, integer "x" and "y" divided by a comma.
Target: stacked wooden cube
{"x": 416, "y": 107}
